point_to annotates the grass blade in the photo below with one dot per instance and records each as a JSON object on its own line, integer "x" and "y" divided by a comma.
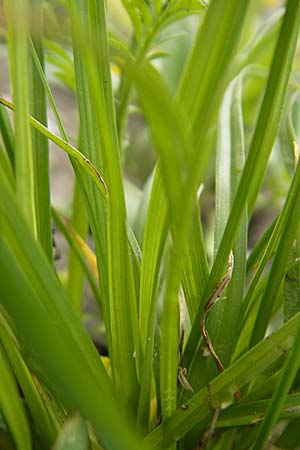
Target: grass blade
{"x": 153, "y": 244}
{"x": 40, "y": 151}
{"x": 7, "y": 134}
{"x": 68, "y": 233}
{"x": 45, "y": 427}
{"x": 90, "y": 145}
{"x": 76, "y": 270}
{"x": 16, "y": 12}
{"x": 247, "y": 413}
{"x": 84, "y": 163}
{"x": 122, "y": 301}
{"x": 228, "y": 312}
{"x": 11, "y": 406}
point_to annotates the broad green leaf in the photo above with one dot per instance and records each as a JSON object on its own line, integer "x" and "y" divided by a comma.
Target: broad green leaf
{"x": 73, "y": 436}
{"x": 11, "y": 407}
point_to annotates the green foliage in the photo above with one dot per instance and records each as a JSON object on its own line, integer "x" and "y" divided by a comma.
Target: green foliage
{"x": 160, "y": 387}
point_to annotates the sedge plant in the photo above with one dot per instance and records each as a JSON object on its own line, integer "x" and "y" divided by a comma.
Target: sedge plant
{"x": 202, "y": 340}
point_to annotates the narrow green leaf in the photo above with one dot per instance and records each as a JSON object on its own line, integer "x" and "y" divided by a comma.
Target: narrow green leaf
{"x": 289, "y": 439}
{"x": 90, "y": 146}
{"x": 263, "y": 38}
{"x": 79, "y": 223}
{"x": 144, "y": 10}
{"x": 11, "y": 407}
{"x": 194, "y": 5}
{"x": 157, "y": 5}
{"x": 135, "y": 17}
{"x": 195, "y": 266}
{"x": 122, "y": 302}
{"x": 43, "y": 79}
{"x": 221, "y": 389}
{"x": 207, "y": 64}
{"x": 7, "y": 134}
{"x": 156, "y": 228}
{"x": 289, "y": 135}
{"x": 40, "y": 151}
{"x": 166, "y": 128}
{"x": 16, "y": 12}
{"x": 80, "y": 257}
{"x": 45, "y": 427}
{"x": 277, "y": 271}
{"x": 260, "y": 246}
{"x": 7, "y": 167}
{"x": 230, "y": 162}
{"x": 291, "y": 284}
{"x": 85, "y": 163}
{"x": 250, "y": 413}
